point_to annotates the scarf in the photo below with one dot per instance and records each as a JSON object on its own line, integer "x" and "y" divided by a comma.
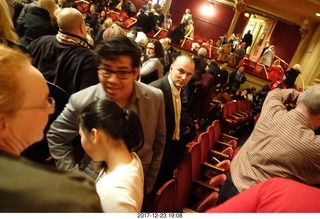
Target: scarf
{"x": 71, "y": 39}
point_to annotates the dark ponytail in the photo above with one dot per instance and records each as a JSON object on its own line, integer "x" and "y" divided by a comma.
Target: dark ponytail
{"x": 118, "y": 123}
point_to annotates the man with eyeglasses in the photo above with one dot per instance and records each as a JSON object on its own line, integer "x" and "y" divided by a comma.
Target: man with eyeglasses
{"x": 25, "y": 106}
{"x": 118, "y": 71}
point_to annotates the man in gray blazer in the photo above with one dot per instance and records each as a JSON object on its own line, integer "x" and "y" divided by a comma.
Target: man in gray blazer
{"x": 119, "y": 67}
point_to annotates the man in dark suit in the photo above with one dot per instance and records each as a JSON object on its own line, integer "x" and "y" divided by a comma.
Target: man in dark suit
{"x": 178, "y": 77}
{"x": 220, "y": 76}
{"x": 247, "y": 38}
{"x": 236, "y": 78}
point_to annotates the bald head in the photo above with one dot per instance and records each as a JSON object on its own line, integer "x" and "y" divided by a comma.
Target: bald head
{"x": 70, "y": 20}
{"x": 182, "y": 70}
{"x": 184, "y": 58}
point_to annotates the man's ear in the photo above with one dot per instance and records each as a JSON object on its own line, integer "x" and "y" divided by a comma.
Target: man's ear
{"x": 136, "y": 72}
{"x": 4, "y": 128}
{"x": 171, "y": 66}
{"x": 83, "y": 29}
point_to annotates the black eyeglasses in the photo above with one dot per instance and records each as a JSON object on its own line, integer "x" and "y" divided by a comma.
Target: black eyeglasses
{"x": 107, "y": 73}
{"x": 51, "y": 104}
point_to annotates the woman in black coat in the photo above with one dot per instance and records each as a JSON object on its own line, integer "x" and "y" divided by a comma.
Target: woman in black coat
{"x": 177, "y": 34}
{"x": 291, "y": 76}
{"x": 38, "y": 22}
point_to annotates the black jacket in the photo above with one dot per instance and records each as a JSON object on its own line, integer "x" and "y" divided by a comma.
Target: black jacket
{"x": 71, "y": 67}
{"x": 234, "y": 82}
{"x": 35, "y": 24}
{"x": 291, "y": 76}
{"x": 186, "y": 121}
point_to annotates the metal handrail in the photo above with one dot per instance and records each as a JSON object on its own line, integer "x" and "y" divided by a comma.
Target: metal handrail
{"x": 301, "y": 78}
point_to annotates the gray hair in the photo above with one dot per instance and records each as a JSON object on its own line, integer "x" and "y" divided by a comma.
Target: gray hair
{"x": 202, "y": 51}
{"x": 311, "y": 99}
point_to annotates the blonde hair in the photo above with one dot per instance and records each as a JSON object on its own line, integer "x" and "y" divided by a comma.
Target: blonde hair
{"x": 164, "y": 42}
{"x": 108, "y": 23}
{"x": 51, "y": 7}
{"x": 277, "y": 62}
{"x": 11, "y": 91}
{"x": 6, "y": 26}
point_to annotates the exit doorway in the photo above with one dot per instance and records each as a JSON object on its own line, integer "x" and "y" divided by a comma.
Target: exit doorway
{"x": 261, "y": 30}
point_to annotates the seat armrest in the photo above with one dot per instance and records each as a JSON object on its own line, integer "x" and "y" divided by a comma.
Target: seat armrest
{"x": 228, "y": 137}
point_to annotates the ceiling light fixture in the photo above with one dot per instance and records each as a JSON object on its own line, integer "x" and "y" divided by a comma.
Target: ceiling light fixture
{"x": 208, "y": 9}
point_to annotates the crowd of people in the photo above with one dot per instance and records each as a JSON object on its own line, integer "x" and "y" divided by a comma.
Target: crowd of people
{"x": 133, "y": 105}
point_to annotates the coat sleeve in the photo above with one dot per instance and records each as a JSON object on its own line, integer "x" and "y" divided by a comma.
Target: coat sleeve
{"x": 60, "y": 135}
{"x": 158, "y": 144}
{"x": 149, "y": 66}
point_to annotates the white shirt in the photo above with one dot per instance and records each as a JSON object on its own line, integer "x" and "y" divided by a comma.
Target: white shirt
{"x": 177, "y": 108}
{"x": 121, "y": 191}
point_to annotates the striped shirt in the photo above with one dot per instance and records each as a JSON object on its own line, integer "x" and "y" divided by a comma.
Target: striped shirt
{"x": 282, "y": 144}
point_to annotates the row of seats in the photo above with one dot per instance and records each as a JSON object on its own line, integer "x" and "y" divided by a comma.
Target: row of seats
{"x": 121, "y": 16}
{"x": 198, "y": 177}
{"x": 236, "y": 116}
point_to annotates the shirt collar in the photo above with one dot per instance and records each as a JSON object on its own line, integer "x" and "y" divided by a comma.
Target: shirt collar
{"x": 174, "y": 90}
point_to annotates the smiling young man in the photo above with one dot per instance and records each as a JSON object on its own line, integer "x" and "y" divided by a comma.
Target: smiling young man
{"x": 118, "y": 70}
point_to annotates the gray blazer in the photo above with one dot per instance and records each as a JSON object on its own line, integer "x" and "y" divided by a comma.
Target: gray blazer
{"x": 149, "y": 106}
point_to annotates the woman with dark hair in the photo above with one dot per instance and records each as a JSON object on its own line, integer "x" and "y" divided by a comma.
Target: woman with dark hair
{"x": 152, "y": 67}
{"x": 112, "y": 135}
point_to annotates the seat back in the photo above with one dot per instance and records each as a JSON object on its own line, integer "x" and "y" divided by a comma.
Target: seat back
{"x": 217, "y": 129}
{"x": 204, "y": 145}
{"x": 241, "y": 105}
{"x": 218, "y": 180}
{"x": 234, "y": 143}
{"x": 195, "y": 153}
{"x": 249, "y": 105}
{"x": 210, "y": 130}
{"x": 182, "y": 175}
{"x": 225, "y": 111}
{"x": 225, "y": 164}
{"x": 232, "y": 107}
{"x": 208, "y": 202}
{"x": 165, "y": 200}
